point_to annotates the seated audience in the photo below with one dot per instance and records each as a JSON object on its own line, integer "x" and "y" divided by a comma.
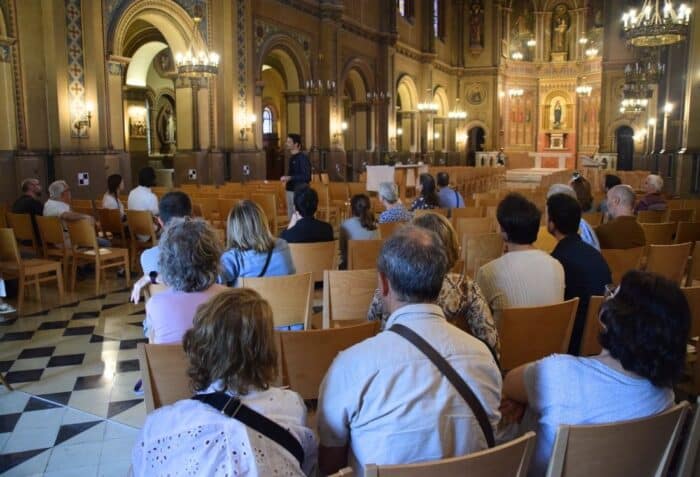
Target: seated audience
{"x": 141, "y": 197}
{"x": 611, "y": 180}
{"x": 507, "y": 282}
{"x": 30, "y": 203}
{"x": 460, "y": 298}
{"x": 395, "y": 211}
{"x": 58, "y": 205}
{"x": 304, "y": 227}
{"x": 584, "y": 229}
{"x": 622, "y": 230}
{"x": 383, "y": 401}
{"x": 427, "y": 195}
{"x": 645, "y": 328}
{"x": 653, "y": 199}
{"x": 585, "y": 271}
{"x": 361, "y": 226}
{"x": 253, "y": 251}
{"x": 232, "y": 359}
{"x": 449, "y": 197}
{"x": 110, "y": 200}
{"x": 189, "y": 266}
{"x": 584, "y": 195}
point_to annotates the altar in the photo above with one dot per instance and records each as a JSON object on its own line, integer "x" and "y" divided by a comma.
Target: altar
{"x": 553, "y": 160}
{"x": 405, "y": 175}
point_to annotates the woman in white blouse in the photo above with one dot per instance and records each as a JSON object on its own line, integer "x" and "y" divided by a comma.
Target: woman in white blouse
{"x": 232, "y": 364}
{"x": 110, "y": 200}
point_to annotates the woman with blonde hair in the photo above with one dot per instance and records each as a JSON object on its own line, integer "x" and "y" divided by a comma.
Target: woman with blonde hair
{"x": 232, "y": 367}
{"x": 252, "y": 250}
{"x": 460, "y": 298}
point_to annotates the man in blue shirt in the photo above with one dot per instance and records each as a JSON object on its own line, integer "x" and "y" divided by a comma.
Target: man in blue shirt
{"x": 299, "y": 171}
{"x": 449, "y": 198}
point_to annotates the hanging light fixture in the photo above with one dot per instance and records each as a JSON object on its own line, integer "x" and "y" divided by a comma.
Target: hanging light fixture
{"x": 197, "y": 62}
{"x": 656, "y": 26}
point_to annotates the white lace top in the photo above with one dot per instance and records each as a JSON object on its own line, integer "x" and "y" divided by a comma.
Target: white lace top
{"x": 193, "y": 438}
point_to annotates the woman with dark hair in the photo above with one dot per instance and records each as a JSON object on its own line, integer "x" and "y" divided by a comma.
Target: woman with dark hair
{"x": 645, "y": 326}
{"x": 583, "y": 192}
{"x": 427, "y": 198}
{"x": 232, "y": 367}
{"x": 110, "y": 200}
{"x": 361, "y": 226}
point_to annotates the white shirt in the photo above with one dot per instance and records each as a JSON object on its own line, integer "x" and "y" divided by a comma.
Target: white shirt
{"x": 55, "y": 208}
{"x": 522, "y": 278}
{"x": 141, "y": 198}
{"x": 110, "y": 202}
{"x": 193, "y": 438}
{"x": 391, "y": 403}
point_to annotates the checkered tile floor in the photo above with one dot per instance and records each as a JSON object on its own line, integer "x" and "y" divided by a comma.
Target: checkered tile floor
{"x": 73, "y": 368}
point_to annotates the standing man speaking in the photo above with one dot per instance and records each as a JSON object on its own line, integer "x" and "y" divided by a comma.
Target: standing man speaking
{"x": 299, "y": 171}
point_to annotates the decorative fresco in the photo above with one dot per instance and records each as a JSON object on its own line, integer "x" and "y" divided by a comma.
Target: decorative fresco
{"x": 112, "y": 10}
{"x": 522, "y": 28}
{"x": 76, "y": 64}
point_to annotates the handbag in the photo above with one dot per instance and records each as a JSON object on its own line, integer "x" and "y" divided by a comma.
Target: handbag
{"x": 449, "y": 372}
{"x": 234, "y": 408}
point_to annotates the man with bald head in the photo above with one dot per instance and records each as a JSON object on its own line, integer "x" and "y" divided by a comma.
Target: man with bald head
{"x": 623, "y": 230}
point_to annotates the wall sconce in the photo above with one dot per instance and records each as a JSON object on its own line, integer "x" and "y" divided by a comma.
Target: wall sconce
{"x": 399, "y": 132}
{"x": 337, "y": 135}
{"x": 517, "y": 56}
{"x": 436, "y": 135}
{"x": 247, "y": 124}
{"x": 639, "y": 135}
{"x": 531, "y": 43}
{"x": 82, "y": 119}
{"x": 584, "y": 90}
{"x": 461, "y": 138}
{"x": 668, "y": 108}
{"x": 515, "y": 92}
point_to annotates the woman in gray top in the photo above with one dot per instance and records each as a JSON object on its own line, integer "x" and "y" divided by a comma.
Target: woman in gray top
{"x": 361, "y": 226}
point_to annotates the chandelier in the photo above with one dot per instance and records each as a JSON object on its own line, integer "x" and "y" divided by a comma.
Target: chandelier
{"x": 428, "y": 107}
{"x": 655, "y": 26}
{"x": 644, "y": 71}
{"x": 634, "y": 105}
{"x": 197, "y": 62}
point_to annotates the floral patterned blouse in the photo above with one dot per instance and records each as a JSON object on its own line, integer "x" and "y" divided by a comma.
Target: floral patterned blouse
{"x": 421, "y": 204}
{"x": 464, "y": 306}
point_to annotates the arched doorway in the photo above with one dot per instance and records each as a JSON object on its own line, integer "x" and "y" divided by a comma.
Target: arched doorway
{"x": 406, "y": 116}
{"x": 624, "y": 139}
{"x": 475, "y": 139}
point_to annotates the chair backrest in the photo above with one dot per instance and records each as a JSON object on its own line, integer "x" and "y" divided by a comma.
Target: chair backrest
{"x": 669, "y": 261}
{"x": 687, "y": 232}
{"x": 268, "y": 202}
{"x": 659, "y": 233}
{"x": 481, "y": 249}
{"x": 164, "y": 373}
{"x": 692, "y": 294}
{"x": 593, "y": 218}
{"x": 473, "y": 226}
{"x": 51, "y": 231}
{"x": 437, "y": 210}
{"x": 694, "y": 269}
{"x": 621, "y": 261}
{"x": 111, "y": 221}
{"x": 388, "y": 228}
{"x": 680, "y": 215}
{"x": 363, "y": 254}
{"x": 545, "y": 241}
{"x": 289, "y": 296}
{"x": 589, "y": 342}
{"x": 347, "y": 295}
{"x": 689, "y": 464}
{"x": 636, "y": 447}
{"x": 314, "y": 257}
{"x": 509, "y": 459}
{"x": 9, "y": 252}
{"x": 82, "y": 234}
{"x": 307, "y": 355}
{"x": 141, "y": 223}
{"x": 467, "y": 212}
{"x": 651, "y": 216}
{"x": 22, "y": 226}
{"x": 224, "y": 207}
{"x": 520, "y": 345}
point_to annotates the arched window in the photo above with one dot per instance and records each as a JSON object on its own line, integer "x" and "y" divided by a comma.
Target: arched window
{"x": 267, "y": 120}
{"x": 438, "y": 23}
{"x": 406, "y": 8}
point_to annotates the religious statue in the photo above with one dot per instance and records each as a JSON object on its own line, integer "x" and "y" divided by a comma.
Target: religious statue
{"x": 557, "y": 115}
{"x": 559, "y": 35}
{"x": 166, "y": 130}
{"x": 476, "y": 21}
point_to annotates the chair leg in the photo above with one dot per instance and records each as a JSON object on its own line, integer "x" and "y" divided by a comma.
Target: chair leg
{"x": 4, "y": 382}
{"x": 97, "y": 277}
{"x": 20, "y": 293}
{"x": 127, "y": 271}
{"x": 74, "y": 272}
{"x": 59, "y": 284}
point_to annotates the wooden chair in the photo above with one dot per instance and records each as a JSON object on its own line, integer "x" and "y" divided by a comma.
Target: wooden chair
{"x": 651, "y": 216}
{"x": 268, "y": 202}
{"x": 314, "y": 257}
{"x": 472, "y": 227}
{"x": 659, "y": 233}
{"x": 593, "y": 218}
{"x": 466, "y": 212}
{"x": 694, "y": 267}
{"x": 289, "y": 296}
{"x": 363, "y": 254}
{"x": 82, "y": 204}
{"x": 530, "y": 333}
{"x": 621, "y": 261}
{"x": 33, "y": 271}
{"x": 635, "y": 447}
{"x": 679, "y": 215}
{"x": 589, "y": 342}
{"x": 545, "y": 241}
{"x": 436, "y": 210}
{"x": 509, "y": 459}
{"x": 111, "y": 223}
{"x": 669, "y": 261}
{"x": 22, "y": 226}
{"x": 223, "y": 208}
{"x": 481, "y": 249}
{"x": 388, "y": 228}
{"x": 307, "y": 355}
{"x": 347, "y": 295}
{"x": 53, "y": 243}
{"x": 85, "y": 249}
{"x": 687, "y": 232}
{"x": 140, "y": 225}
{"x": 164, "y": 374}
{"x": 689, "y": 464}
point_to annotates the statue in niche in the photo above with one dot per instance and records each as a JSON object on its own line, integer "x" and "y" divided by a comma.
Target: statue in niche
{"x": 560, "y": 27}
{"x": 557, "y": 115}
{"x": 476, "y": 22}
{"x": 166, "y": 130}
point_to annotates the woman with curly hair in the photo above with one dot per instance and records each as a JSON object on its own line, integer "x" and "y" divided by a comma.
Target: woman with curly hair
{"x": 232, "y": 366}
{"x": 645, "y": 326}
{"x": 189, "y": 266}
{"x": 427, "y": 198}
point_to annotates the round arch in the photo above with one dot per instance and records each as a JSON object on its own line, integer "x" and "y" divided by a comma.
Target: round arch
{"x": 286, "y": 50}
{"x": 360, "y": 75}
{"x": 570, "y": 4}
{"x": 3, "y": 27}
{"x": 407, "y": 92}
{"x": 477, "y": 123}
{"x": 440, "y": 97}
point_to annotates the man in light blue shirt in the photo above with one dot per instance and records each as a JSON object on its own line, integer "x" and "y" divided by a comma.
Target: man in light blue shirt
{"x": 173, "y": 204}
{"x": 449, "y": 198}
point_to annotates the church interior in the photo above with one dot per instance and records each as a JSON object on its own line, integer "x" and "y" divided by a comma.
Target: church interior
{"x": 503, "y": 94}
